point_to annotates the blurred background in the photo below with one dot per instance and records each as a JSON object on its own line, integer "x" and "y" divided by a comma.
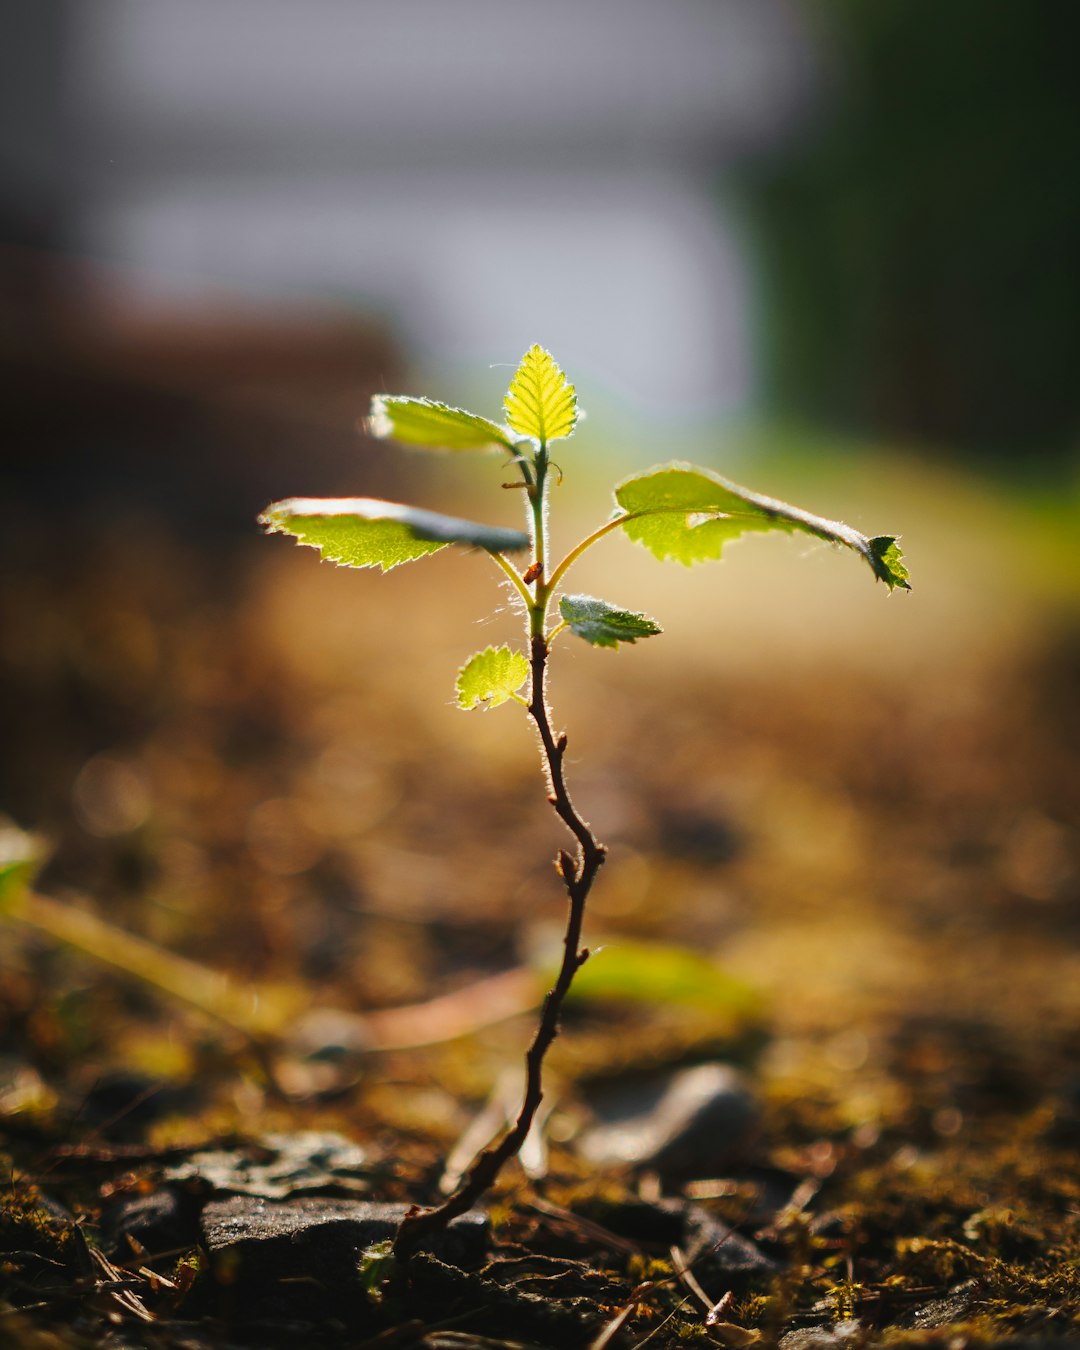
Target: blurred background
{"x": 825, "y": 247}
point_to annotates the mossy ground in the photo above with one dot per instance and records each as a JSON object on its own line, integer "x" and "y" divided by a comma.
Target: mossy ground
{"x": 253, "y": 761}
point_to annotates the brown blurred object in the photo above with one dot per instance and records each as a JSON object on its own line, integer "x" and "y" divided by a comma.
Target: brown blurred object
{"x": 115, "y": 395}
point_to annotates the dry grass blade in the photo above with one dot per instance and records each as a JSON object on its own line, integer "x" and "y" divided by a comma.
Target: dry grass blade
{"x": 589, "y": 1228}
{"x": 612, "y": 1328}
{"x": 687, "y": 1276}
{"x": 481, "y": 1130}
{"x": 123, "y": 1298}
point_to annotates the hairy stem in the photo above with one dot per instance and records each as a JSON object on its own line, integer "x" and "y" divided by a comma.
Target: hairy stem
{"x": 578, "y": 874}
{"x": 513, "y": 576}
{"x": 538, "y": 533}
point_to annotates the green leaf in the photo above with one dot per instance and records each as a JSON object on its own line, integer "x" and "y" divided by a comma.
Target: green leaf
{"x": 656, "y": 973}
{"x": 363, "y": 532}
{"x": 491, "y": 677}
{"x": 888, "y": 562}
{"x": 687, "y": 514}
{"x": 602, "y": 624}
{"x": 541, "y": 402}
{"x": 21, "y": 854}
{"x": 435, "y": 426}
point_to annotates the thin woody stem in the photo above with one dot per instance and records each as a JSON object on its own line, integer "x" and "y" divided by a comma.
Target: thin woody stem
{"x": 578, "y": 874}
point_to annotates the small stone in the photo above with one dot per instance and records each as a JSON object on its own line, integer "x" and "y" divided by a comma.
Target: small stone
{"x": 121, "y": 1104}
{"x": 693, "y": 1123}
{"x": 264, "y": 1248}
{"x": 718, "y": 1255}
{"x": 941, "y": 1312}
{"x": 330, "y": 1035}
{"x": 704, "y": 836}
{"x": 163, "y": 1223}
{"x": 277, "y": 1166}
{"x": 835, "y": 1336}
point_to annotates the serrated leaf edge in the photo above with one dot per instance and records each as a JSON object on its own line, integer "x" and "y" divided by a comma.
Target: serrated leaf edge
{"x": 613, "y": 641}
{"x": 831, "y": 531}
{"x": 430, "y": 527}
{"x": 532, "y": 400}
{"x": 486, "y": 705}
{"x": 379, "y": 424}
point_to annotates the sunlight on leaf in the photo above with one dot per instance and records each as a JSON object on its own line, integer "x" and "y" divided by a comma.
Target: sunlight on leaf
{"x": 364, "y": 532}
{"x": 21, "y": 854}
{"x": 541, "y": 402}
{"x": 602, "y": 624}
{"x": 490, "y": 678}
{"x": 654, "y": 972}
{"x": 434, "y": 426}
{"x": 687, "y": 515}
{"x": 889, "y": 561}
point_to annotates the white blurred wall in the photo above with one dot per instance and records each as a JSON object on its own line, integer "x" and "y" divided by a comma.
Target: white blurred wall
{"x": 484, "y": 173}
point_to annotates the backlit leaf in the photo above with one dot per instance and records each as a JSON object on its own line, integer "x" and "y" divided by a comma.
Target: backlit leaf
{"x": 687, "y": 514}
{"x": 541, "y": 402}
{"x": 662, "y": 974}
{"x": 889, "y": 560}
{"x": 602, "y": 624}
{"x": 435, "y": 426}
{"x": 364, "y": 532}
{"x": 20, "y": 856}
{"x": 491, "y": 677}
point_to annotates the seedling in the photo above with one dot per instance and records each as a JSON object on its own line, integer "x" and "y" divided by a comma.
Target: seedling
{"x": 678, "y": 512}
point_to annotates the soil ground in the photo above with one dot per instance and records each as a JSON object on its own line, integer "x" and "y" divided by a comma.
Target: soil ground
{"x": 865, "y": 810}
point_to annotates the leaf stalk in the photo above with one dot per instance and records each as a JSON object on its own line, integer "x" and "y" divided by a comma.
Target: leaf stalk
{"x": 587, "y": 543}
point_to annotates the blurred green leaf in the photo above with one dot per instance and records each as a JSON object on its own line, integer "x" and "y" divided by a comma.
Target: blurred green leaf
{"x": 21, "y": 854}
{"x": 364, "y": 532}
{"x": 491, "y": 677}
{"x": 648, "y": 972}
{"x": 541, "y": 402}
{"x": 687, "y": 515}
{"x": 434, "y": 426}
{"x": 602, "y": 624}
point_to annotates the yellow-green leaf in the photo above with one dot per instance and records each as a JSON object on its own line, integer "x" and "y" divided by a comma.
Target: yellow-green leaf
{"x": 541, "y": 402}
{"x": 434, "y": 426}
{"x": 687, "y": 514}
{"x": 365, "y": 532}
{"x": 20, "y": 857}
{"x": 659, "y": 973}
{"x": 491, "y": 677}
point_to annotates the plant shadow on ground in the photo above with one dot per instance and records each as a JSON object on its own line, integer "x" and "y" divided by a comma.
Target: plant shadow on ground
{"x": 226, "y": 764}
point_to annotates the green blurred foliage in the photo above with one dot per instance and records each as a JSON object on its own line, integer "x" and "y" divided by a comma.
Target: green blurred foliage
{"x": 918, "y": 250}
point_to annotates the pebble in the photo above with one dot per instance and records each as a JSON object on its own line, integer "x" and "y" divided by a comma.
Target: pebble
{"x": 121, "y": 1104}
{"x": 941, "y": 1312}
{"x": 256, "y": 1245}
{"x": 720, "y": 1257}
{"x": 835, "y": 1336}
{"x": 277, "y": 1166}
{"x": 164, "y": 1223}
{"x": 696, "y": 1122}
